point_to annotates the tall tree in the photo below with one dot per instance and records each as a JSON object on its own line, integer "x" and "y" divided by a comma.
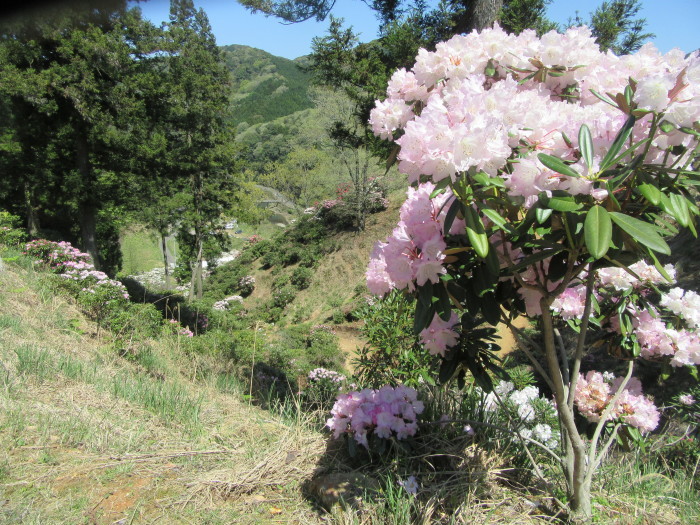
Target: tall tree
{"x": 199, "y": 142}
{"x": 615, "y": 26}
{"x": 65, "y": 75}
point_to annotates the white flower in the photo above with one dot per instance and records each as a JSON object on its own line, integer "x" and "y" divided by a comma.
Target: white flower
{"x": 410, "y": 485}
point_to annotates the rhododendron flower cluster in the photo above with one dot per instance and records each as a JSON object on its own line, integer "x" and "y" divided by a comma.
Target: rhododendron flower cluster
{"x": 387, "y": 412}
{"x": 530, "y": 407}
{"x": 462, "y": 105}
{"x": 594, "y": 393}
{"x": 622, "y": 280}
{"x": 414, "y": 252}
{"x": 226, "y": 302}
{"x": 72, "y": 264}
{"x": 323, "y": 374}
{"x": 440, "y": 335}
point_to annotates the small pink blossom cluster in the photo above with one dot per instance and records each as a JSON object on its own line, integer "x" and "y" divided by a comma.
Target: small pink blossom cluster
{"x": 658, "y": 340}
{"x": 184, "y": 331}
{"x": 322, "y": 328}
{"x": 225, "y": 303}
{"x": 622, "y": 280}
{"x": 388, "y": 412}
{"x": 440, "y": 335}
{"x": 685, "y": 304}
{"x": 74, "y": 265}
{"x": 414, "y": 252}
{"x": 595, "y": 391}
{"x": 323, "y": 374}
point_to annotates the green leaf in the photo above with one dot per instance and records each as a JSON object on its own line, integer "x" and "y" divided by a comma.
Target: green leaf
{"x": 447, "y": 370}
{"x": 556, "y": 164}
{"x": 476, "y": 233}
{"x": 565, "y": 204}
{"x": 494, "y": 217}
{"x": 452, "y": 212}
{"x": 423, "y": 316}
{"x": 440, "y": 187}
{"x": 679, "y": 209}
{"x": 641, "y": 231}
{"x": 650, "y": 193}
{"x": 543, "y": 214}
{"x": 617, "y": 144}
{"x": 690, "y": 131}
{"x": 597, "y": 231}
{"x": 443, "y": 306}
{"x": 604, "y": 98}
{"x": 585, "y": 145}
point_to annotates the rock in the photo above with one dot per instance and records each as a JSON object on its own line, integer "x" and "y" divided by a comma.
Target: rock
{"x": 344, "y": 488}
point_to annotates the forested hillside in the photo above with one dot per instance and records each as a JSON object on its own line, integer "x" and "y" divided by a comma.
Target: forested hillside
{"x": 265, "y": 87}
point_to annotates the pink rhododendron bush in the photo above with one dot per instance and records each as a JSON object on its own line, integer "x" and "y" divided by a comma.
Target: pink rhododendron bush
{"x": 376, "y": 414}
{"x": 545, "y": 176}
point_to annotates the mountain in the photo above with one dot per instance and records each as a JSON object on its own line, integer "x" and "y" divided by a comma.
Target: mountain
{"x": 265, "y": 86}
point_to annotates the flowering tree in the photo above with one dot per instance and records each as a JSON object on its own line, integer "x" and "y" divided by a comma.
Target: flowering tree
{"x": 545, "y": 175}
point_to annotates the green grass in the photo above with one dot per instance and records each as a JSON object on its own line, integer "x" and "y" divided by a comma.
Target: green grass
{"x": 141, "y": 251}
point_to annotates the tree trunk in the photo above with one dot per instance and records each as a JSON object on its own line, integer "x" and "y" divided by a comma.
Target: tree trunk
{"x": 479, "y": 15}
{"x": 87, "y": 206}
{"x": 31, "y": 210}
{"x": 164, "y": 247}
{"x": 485, "y": 13}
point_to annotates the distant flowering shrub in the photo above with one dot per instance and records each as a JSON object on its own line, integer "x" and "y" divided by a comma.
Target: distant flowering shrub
{"x": 246, "y": 285}
{"x": 94, "y": 289}
{"x": 318, "y": 375}
{"x": 385, "y": 413}
{"x": 225, "y": 304}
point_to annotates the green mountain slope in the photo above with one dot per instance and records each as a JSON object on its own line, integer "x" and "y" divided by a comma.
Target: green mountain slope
{"x": 265, "y": 87}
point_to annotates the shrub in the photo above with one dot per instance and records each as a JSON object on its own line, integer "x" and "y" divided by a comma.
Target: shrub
{"x": 301, "y": 277}
{"x": 283, "y": 296}
{"x": 393, "y": 354}
{"x": 11, "y": 233}
{"x": 141, "y": 320}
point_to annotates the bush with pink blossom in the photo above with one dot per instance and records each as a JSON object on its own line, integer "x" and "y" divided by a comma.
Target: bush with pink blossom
{"x": 372, "y": 417}
{"x": 544, "y": 174}
{"x": 94, "y": 290}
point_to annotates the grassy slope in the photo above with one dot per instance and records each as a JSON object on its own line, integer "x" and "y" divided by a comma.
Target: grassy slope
{"x": 90, "y": 437}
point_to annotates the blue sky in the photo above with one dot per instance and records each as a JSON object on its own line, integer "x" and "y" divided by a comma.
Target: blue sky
{"x": 675, "y": 23}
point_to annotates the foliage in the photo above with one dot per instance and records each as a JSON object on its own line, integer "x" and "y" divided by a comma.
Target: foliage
{"x": 615, "y": 28}
{"x": 393, "y": 354}
{"x": 97, "y": 294}
{"x": 265, "y": 87}
{"x": 10, "y": 232}
{"x": 69, "y": 90}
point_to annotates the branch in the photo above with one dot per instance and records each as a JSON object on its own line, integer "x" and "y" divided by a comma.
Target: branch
{"x": 578, "y": 354}
{"x": 564, "y": 357}
{"x": 525, "y": 340}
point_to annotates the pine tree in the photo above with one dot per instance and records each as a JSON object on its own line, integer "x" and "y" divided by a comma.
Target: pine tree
{"x": 199, "y": 142}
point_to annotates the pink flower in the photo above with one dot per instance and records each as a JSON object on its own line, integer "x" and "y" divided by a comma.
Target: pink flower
{"x": 440, "y": 336}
